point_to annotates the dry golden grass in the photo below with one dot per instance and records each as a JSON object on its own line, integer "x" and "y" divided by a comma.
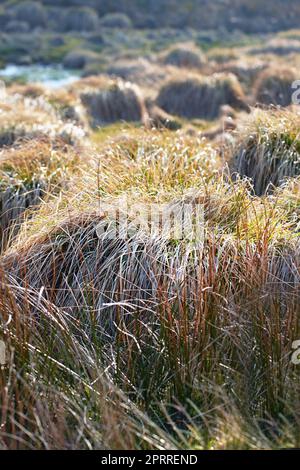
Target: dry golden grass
{"x": 31, "y": 90}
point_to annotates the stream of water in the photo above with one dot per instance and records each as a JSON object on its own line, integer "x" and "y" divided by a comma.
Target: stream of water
{"x": 52, "y": 76}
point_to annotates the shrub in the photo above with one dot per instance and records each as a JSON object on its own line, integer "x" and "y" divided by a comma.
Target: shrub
{"x": 201, "y": 97}
{"x": 274, "y": 86}
{"x": 268, "y": 150}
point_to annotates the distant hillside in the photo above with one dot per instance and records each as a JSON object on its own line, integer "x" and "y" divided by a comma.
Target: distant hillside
{"x": 249, "y": 16}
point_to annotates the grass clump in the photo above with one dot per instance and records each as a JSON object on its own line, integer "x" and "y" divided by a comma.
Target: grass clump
{"x": 268, "y": 150}
{"x": 23, "y": 117}
{"x": 28, "y": 174}
{"x": 79, "y": 59}
{"x": 246, "y": 69}
{"x": 201, "y": 97}
{"x": 30, "y": 12}
{"x": 184, "y": 342}
{"x": 148, "y": 339}
{"x": 274, "y": 86}
{"x": 116, "y": 20}
{"x": 186, "y": 56}
{"x": 178, "y": 310}
{"x": 159, "y": 119}
{"x": 79, "y": 19}
{"x": 142, "y": 72}
{"x": 117, "y": 101}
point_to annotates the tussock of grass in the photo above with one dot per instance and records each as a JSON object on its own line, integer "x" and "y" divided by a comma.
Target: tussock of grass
{"x": 154, "y": 163}
{"x": 45, "y": 416}
{"x": 278, "y": 46}
{"x": 185, "y": 56}
{"x": 274, "y": 86}
{"x": 118, "y": 101}
{"x": 201, "y": 97}
{"x": 68, "y": 106}
{"x": 246, "y": 69}
{"x": 142, "y": 72}
{"x": 267, "y": 151}
{"x": 159, "y": 119}
{"x": 26, "y": 117}
{"x": 61, "y": 103}
{"x": 148, "y": 165}
{"x": 31, "y": 90}
{"x": 198, "y": 333}
{"x": 148, "y": 341}
{"x": 29, "y": 173}
{"x": 288, "y": 197}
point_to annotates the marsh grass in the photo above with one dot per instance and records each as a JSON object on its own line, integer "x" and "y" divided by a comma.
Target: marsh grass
{"x": 29, "y": 172}
{"x": 267, "y": 151}
{"x": 196, "y": 339}
{"x": 201, "y": 97}
{"x": 29, "y": 117}
{"x": 148, "y": 342}
{"x": 184, "y": 56}
{"x": 118, "y": 101}
{"x": 273, "y": 86}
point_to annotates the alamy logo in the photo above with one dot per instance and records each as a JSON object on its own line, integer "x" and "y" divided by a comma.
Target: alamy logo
{"x": 296, "y": 94}
{"x": 174, "y": 221}
{"x": 2, "y": 353}
{"x": 296, "y": 354}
